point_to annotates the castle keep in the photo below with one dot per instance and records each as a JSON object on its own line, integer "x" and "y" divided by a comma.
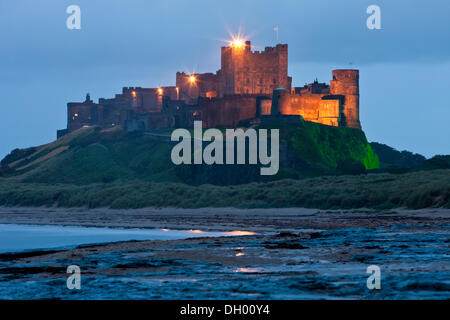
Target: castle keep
{"x": 250, "y": 86}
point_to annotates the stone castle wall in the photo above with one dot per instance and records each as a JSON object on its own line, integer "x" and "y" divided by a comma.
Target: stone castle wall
{"x": 228, "y": 111}
{"x": 346, "y": 83}
{"x": 244, "y": 71}
{"x": 248, "y": 85}
{"x": 206, "y": 85}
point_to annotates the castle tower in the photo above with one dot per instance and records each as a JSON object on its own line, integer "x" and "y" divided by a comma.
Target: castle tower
{"x": 346, "y": 82}
{"x": 244, "y": 71}
{"x": 281, "y": 102}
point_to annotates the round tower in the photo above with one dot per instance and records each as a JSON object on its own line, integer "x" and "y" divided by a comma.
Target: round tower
{"x": 281, "y": 102}
{"x": 346, "y": 82}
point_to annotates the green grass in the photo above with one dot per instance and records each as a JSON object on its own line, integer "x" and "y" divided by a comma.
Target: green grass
{"x": 326, "y": 146}
{"x": 119, "y": 170}
{"x": 96, "y": 156}
{"x": 380, "y": 191}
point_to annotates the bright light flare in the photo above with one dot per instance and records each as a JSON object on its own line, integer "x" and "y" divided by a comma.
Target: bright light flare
{"x": 160, "y": 91}
{"x": 236, "y": 40}
{"x": 238, "y": 43}
{"x": 192, "y": 79}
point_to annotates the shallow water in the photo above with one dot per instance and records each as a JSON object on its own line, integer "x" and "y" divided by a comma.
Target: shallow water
{"x": 16, "y": 237}
{"x": 331, "y": 264}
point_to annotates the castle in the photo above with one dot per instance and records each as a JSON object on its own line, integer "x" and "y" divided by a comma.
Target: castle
{"x": 250, "y": 86}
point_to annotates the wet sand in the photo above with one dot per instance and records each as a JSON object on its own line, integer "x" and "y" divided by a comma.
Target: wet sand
{"x": 298, "y": 254}
{"x": 222, "y": 219}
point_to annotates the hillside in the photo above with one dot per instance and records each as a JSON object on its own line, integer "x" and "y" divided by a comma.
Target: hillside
{"x": 111, "y": 168}
{"x": 92, "y": 155}
{"x": 391, "y": 157}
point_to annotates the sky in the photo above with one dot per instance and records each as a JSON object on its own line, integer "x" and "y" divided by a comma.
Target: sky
{"x": 404, "y": 66}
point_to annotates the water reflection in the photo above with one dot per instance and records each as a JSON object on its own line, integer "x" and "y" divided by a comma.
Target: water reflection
{"x": 240, "y": 233}
{"x": 249, "y": 270}
{"x": 196, "y": 231}
{"x": 16, "y": 237}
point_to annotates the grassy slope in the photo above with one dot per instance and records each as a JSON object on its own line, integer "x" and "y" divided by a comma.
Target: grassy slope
{"x": 96, "y": 156}
{"x": 326, "y": 146}
{"x": 113, "y": 169}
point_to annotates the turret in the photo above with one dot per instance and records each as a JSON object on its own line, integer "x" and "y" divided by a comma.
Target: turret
{"x": 346, "y": 83}
{"x": 280, "y": 102}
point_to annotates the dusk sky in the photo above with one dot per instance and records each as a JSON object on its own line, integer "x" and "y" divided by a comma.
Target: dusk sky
{"x": 404, "y": 67}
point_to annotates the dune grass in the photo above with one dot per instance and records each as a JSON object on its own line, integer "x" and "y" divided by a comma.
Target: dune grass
{"x": 413, "y": 190}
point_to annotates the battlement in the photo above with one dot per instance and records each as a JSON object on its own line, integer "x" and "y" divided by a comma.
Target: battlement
{"x": 279, "y": 48}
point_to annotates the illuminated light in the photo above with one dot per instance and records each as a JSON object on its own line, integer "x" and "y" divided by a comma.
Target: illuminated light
{"x": 240, "y": 233}
{"x": 196, "y": 231}
{"x": 160, "y": 91}
{"x": 237, "y": 43}
{"x": 133, "y": 93}
{"x": 240, "y": 254}
{"x": 165, "y": 230}
{"x": 192, "y": 79}
{"x": 251, "y": 270}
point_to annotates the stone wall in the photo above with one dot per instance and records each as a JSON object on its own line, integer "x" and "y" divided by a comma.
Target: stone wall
{"x": 83, "y": 114}
{"x": 346, "y": 83}
{"x": 244, "y": 71}
{"x": 228, "y": 111}
{"x": 320, "y": 108}
{"x": 205, "y": 85}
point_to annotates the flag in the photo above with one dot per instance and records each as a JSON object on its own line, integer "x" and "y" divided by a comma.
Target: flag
{"x": 275, "y": 29}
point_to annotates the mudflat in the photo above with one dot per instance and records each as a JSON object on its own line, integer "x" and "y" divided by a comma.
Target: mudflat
{"x": 297, "y": 253}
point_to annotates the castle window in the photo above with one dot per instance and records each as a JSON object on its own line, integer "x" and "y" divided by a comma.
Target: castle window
{"x": 248, "y": 81}
{"x": 274, "y": 81}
